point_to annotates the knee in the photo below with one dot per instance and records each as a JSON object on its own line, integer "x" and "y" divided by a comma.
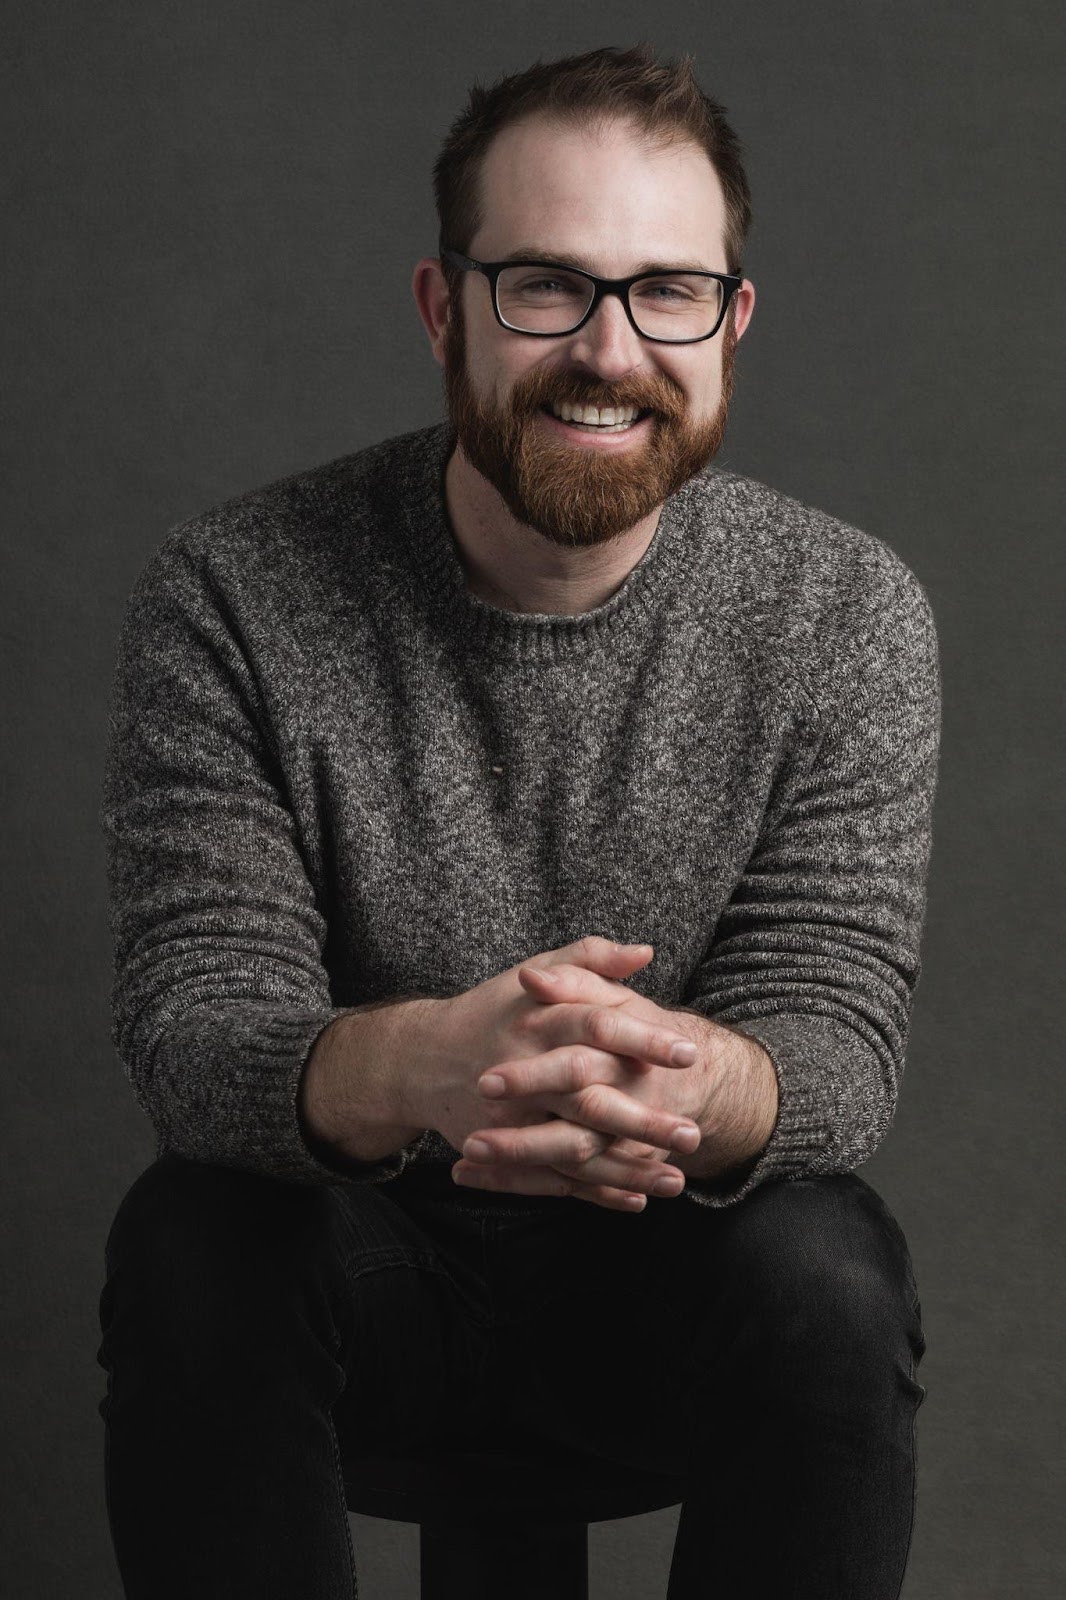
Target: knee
{"x": 209, "y": 1269}
{"x": 829, "y": 1268}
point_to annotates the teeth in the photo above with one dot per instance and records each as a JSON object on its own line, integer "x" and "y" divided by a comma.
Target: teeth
{"x": 603, "y": 416}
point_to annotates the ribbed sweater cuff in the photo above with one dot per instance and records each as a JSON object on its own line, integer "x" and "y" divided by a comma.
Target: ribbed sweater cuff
{"x": 802, "y": 1133}
{"x": 224, "y": 1088}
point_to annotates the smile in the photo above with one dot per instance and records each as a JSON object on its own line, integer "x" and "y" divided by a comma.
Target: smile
{"x": 602, "y": 433}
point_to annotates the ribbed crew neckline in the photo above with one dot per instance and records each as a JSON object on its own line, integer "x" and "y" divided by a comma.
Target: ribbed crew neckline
{"x": 528, "y": 636}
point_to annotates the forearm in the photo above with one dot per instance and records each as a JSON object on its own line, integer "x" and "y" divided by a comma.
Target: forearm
{"x": 351, "y": 1094}
{"x": 737, "y": 1100}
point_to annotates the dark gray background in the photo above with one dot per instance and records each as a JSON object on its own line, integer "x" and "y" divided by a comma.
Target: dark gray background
{"x": 201, "y": 200}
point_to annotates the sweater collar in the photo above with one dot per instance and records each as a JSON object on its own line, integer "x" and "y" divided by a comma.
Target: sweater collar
{"x": 530, "y": 636}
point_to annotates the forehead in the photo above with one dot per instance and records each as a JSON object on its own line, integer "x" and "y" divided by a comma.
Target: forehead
{"x": 603, "y": 194}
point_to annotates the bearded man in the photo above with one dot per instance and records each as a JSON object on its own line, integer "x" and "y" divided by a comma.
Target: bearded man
{"x": 518, "y": 833}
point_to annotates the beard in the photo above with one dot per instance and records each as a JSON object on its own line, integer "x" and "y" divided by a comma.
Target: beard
{"x": 574, "y": 495}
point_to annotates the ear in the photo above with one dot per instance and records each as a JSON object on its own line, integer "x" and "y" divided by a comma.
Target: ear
{"x": 744, "y": 300}
{"x": 430, "y": 289}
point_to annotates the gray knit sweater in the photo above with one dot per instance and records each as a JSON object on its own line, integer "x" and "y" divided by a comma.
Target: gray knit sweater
{"x": 335, "y": 775}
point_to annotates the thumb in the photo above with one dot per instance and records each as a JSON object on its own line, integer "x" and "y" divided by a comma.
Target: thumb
{"x": 626, "y": 958}
{"x": 616, "y": 957}
{"x": 597, "y": 955}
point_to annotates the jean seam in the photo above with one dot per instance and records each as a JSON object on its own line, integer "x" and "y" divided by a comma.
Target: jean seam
{"x": 914, "y": 1478}
{"x": 390, "y": 1256}
{"x": 375, "y": 1260}
{"x": 338, "y": 1473}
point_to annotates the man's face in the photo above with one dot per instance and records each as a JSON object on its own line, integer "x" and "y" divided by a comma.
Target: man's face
{"x": 609, "y": 202}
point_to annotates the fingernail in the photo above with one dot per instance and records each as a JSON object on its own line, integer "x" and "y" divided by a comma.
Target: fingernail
{"x": 547, "y": 977}
{"x": 477, "y": 1150}
{"x": 491, "y": 1083}
{"x": 683, "y": 1054}
{"x": 668, "y": 1186}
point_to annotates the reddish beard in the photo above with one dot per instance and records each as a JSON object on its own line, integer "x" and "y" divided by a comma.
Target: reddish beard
{"x": 580, "y": 496}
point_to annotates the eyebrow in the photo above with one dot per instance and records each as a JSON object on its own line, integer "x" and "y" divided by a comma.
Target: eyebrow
{"x": 584, "y": 263}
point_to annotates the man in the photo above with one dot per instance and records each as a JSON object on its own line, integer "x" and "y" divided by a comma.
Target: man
{"x": 416, "y": 760}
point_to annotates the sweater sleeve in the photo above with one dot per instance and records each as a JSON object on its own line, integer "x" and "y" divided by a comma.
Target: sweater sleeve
{"x": 219, "y": 990}
{"x": 816, "y": 955}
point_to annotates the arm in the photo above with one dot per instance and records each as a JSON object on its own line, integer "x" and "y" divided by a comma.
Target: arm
{"x": 220, "y": 994}
{"x": 816, "y": 956}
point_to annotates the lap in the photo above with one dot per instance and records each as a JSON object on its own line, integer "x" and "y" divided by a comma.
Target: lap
{"x": 826, "y": 1235}
{"x": 607, "y": 1327}
{"x": 179, "y": 1209}
{"x": 566, "y": 1323}
{"x": 213, "y": 1269}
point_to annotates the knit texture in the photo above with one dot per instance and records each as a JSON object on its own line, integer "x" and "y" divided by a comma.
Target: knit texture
{"x": 334, "y": 775}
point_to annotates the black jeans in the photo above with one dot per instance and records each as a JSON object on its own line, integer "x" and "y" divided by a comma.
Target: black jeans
{"x": 254, "y": 1332}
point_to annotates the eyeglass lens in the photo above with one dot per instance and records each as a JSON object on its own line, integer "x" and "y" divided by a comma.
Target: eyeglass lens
{"x": 679, "y": 306}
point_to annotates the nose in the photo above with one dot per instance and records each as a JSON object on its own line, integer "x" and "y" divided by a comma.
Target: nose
{"x": 608, "y": 343}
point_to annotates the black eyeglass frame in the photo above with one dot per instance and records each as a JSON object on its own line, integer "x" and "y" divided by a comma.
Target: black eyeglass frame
{"x": 600, "y": 286}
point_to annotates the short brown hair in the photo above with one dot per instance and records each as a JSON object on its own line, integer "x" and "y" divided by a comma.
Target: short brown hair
{"x": 662, "y": 99}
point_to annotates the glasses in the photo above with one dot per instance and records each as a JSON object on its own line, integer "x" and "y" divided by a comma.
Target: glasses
{"x": 545, "y": 300}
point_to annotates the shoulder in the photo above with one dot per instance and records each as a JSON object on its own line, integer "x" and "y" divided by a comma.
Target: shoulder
{"x": 303, "y": 515}
{"x": 809, "y": 589}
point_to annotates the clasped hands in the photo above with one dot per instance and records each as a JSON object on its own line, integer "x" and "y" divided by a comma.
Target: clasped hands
{"x": 629, "y": 1088}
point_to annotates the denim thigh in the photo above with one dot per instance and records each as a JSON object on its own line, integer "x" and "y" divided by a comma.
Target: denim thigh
{"x": 215, "y": 1271}
{"x": 612, "y": 1330}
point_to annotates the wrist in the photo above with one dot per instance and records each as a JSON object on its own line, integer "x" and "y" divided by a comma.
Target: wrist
{"x": 413, "y": 1047}
{"x": 349, "y": 1100}
{"x": 738, "y": 1103}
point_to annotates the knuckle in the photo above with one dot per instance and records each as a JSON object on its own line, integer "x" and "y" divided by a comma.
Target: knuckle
{"x": 603, "y": 1024}
{"x": 579, "y": 1069}
{"x": 649, "y": 1128}
{"x": 589, "y": 1100}
{"x": 589, "y": 1144}
{"x": 526, "y": 1021}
